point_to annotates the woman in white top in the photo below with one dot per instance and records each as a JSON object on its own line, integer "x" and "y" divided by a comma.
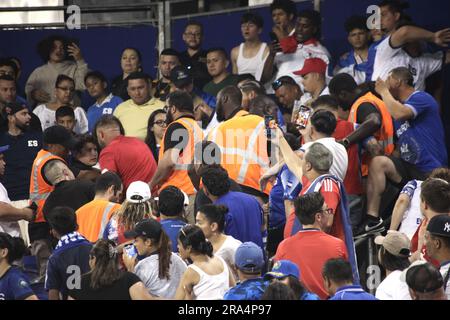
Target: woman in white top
{"x": 208, "y": 277}
{"x": 64, "y": 92}
{"x": 211, "y": 219}
{"x": 160, "y": 270}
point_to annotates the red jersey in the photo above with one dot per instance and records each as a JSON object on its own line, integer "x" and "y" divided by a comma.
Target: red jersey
{"x": 352, "y": 181}
{"x": 130, "y": 158}
{"x": 330, "y": 192}
{"x": 310, "y": 249}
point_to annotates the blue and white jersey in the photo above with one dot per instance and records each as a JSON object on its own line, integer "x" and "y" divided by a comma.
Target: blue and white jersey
{"x": 353, "y": 65}
{"x": 412, "y": 216}
{"x": 96, "y": 111}
{"x": 421, "y": 139}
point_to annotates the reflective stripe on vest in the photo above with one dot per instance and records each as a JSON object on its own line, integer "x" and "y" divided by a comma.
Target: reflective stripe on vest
{"x": 105, "y": 219}
{"x": 249, "y": 153}
{"x": 35, "y": 195}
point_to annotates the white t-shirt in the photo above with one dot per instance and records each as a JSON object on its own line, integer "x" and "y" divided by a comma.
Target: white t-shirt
{"x": 47, "y": 117}
{"x": 412, "y": 216}
{"x": 340, "y": 157}
{"x": 444, "y": 269}
{"x": 12, "y": 228}
{"x": 393, "y": 288}
{"x": 388, "y": 58}
{"x": 148, "y": 269}
{"x": 288, "y": 63}
{"x": 228, "y": 249}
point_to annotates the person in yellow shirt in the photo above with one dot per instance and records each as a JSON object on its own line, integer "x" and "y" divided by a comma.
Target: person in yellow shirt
{"x": 134, "y": 113}
{"x": 93, "y": 216}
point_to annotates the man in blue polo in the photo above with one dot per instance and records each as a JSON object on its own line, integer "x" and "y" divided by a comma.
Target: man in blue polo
{"x": 24, "y": 144}
{"x": 338, "y": 282}
{"x": 249, "y": 262}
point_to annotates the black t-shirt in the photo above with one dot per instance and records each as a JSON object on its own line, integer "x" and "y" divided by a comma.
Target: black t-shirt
{"x": 365, "y": 110}
{"x": 198, "y": 67}
{"x": 73, "y": 194}
{"x": 118, "y": 290}
{"x": 173, "y": 138}
{"x": 119, "y": 87}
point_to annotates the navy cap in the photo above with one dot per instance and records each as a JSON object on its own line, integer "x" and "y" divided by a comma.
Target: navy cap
{"x": 149, "y": 228}
{"x": 249, "y": 257}
{"x": 439, "y": 225}
{"x": 181, "y": 76}
{"x": 13, "y": 107}
{"x": 283, "y": 269}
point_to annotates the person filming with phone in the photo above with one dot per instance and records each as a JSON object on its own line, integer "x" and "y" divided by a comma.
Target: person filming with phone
{"x": 61, "y": 56}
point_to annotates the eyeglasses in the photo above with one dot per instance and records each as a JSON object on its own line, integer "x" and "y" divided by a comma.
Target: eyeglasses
{"x": 196, "y": 35}
{"x": 328, "y": 211}
{"x": 66, "y": 89}
{"x": 161, "y": 123}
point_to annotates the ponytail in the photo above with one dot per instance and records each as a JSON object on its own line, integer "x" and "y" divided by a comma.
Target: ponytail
{"x": 164, "y": 253}
{"x": 207, "y": 248}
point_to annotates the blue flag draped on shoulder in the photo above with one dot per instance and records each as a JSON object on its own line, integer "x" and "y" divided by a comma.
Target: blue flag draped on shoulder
{"x": 345, "y": 213}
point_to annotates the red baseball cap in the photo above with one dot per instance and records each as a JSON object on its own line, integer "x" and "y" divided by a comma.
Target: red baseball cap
{"x": 312, "y": 65}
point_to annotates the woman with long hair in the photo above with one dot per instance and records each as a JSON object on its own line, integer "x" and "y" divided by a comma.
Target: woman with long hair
{"x": 106, "y": 281}
{"x": 208, "y": 277}
{"x": 155, "y": 131}
{"x": 130, "y": 61}
{"x": 14, "y": 285}
{"x": 159, "y": 268}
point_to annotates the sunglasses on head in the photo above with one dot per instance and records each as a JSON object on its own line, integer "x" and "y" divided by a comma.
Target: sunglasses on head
{"x": 277, "y": 84}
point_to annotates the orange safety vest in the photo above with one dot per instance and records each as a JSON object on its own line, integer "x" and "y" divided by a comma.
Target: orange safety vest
{"x": 243, "y": 142}
{"x": 179, "y": 176}
{"x": 93, "y": 217}
{"x": 384, "y": 135}
{"x": 40, "y": 189}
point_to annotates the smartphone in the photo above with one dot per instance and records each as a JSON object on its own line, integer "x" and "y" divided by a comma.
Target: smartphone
{"x": 303, "y": 116}
{"x": 130, "y": 250}
{"x": 270, "y": 124}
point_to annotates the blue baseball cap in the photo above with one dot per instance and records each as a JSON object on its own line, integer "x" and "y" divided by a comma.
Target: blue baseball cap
{"x": 283, "y": 269}
{"x": 249, "y": 257}
{"x": 4, "y": 148}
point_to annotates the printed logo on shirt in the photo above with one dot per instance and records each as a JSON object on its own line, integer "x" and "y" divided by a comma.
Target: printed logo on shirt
{"x": 403, "y": 128}
{"x": 32, "y": 143}
{"x": 412, "y": 70}
{"x": 107, "y": 111}
{"x": 23, "y": 284}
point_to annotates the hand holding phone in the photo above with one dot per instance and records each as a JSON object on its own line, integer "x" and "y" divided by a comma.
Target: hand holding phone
{"x": 303, "y": 116}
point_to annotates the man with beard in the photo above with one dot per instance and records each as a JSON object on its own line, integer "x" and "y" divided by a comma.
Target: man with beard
{"x": 177, "y": 149}
{"x": 24, "y": 143}
{"x": 204, "y": 104}
{"x": 194, "y": 56}
{"x": 168, "y": 60}
{"x": 8, "y": 93}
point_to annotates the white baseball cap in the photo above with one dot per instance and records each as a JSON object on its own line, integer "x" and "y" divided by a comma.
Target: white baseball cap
{"x": 138, "y": 191}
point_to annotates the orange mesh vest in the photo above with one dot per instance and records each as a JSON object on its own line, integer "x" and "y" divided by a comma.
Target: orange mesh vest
{"x": 243, "y": 142}
{"x": 384, "y": 135}
{"x": 179, "y": 176}
{"x": 39, "y": 188}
